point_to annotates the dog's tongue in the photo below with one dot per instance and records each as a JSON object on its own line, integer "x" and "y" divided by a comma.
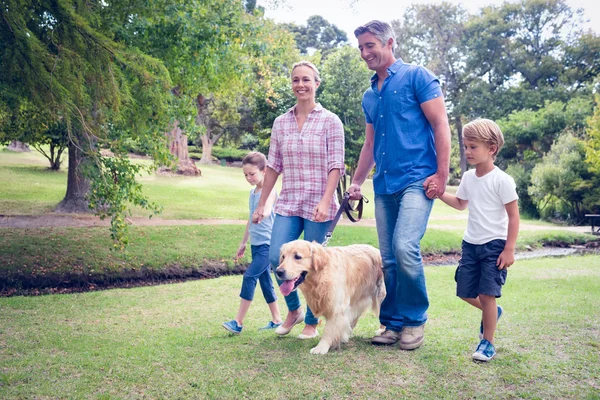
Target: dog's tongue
{"x": 286, "y": 287}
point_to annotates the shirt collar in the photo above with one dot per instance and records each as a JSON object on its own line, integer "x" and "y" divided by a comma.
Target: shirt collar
{"x": 392, "y": 69}
{"x": 317, "y": 108}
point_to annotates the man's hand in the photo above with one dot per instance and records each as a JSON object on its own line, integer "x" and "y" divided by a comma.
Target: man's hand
{"x": 354, "y": 192}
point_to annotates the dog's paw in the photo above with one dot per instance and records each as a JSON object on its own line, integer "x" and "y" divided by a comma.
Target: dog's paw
{"x": 320, "y": 349}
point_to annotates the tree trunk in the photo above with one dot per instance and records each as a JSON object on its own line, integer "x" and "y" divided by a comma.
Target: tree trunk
{"x": 15, "y": 145}
{"x": 461, "y": 147}
{"x": 207, "y": 146}
{"x": 179, "y": 148}
{"x": 77, "y": 184}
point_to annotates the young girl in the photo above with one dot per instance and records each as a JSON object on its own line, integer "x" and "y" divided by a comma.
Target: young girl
{"x": 254, "y": 166}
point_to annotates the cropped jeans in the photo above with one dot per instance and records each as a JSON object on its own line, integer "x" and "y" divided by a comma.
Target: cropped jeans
{"x": 258, "y": 270}
{"x": 287, "y": 229}
{"x": 401, "y": 220}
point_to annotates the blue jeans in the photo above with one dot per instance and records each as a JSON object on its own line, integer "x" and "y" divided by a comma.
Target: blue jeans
{"x": 401, "y": 220}
{"x": 259, "y": 270}
{"x": 286, "y": 229}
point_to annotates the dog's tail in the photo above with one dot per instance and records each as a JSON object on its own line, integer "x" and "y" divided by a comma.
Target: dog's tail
{"x": 380, "y": 291}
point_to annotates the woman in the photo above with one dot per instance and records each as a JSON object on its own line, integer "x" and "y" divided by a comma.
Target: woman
{"x": 307, "y": 147}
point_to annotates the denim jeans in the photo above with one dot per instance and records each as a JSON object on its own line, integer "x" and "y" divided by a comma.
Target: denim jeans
{"x": 259, "y": 270}
{"x": 286, "y": 229}
{"x": 401, "y": 220}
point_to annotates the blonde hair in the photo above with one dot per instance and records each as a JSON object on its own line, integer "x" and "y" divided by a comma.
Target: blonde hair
{"x": 256, "y": 159}
{"x": 486, "y": 131}
{"x": 308, "y": 64}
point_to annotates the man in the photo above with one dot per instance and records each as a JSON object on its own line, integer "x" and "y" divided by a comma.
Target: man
{"x": 408, "y": 140}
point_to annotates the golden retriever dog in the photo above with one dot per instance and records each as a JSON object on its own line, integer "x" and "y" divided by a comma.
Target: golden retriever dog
{"x": 338, "y": 283}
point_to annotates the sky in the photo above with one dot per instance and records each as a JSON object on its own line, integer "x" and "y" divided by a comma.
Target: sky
{"x": 348, "y": 14}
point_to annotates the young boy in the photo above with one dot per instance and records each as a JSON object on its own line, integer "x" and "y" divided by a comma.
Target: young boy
{"x": 488, "y": 246}
{"x": 254, "y": 166}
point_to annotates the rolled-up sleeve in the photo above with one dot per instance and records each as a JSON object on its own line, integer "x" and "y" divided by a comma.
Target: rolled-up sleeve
{"x": 275, "y": 160}
{"x": 335, "y": 144}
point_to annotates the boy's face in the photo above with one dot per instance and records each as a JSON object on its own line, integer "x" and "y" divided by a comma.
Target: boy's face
{"x": 253, "y": 175}
{"x": 478, "y": 152}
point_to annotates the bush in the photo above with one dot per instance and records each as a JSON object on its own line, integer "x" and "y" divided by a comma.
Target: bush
{"x": 229, "y": 153}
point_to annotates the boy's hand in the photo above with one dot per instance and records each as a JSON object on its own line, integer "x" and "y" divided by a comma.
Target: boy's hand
{"x": 241, "y": 250}
{"x": 506, "y": 259}
{"x": 432, "y": 191}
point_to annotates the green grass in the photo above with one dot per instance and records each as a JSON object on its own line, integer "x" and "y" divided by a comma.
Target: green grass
{"x": 27, "y": 187}
{"x": 166, "y": 342}
{"x": 64, "y": 257}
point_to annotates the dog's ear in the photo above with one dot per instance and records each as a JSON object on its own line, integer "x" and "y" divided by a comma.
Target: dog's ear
{"x": 320, "y": 258}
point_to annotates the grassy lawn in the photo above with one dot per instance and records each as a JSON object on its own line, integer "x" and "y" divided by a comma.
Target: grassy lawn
{"x": 81, "y": 257}
{"x": 166, "y": 342}
{"x": 27, "y": 187}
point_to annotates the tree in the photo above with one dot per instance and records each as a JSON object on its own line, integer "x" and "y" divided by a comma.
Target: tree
{"x": 435, "y": 36}
{"x": 60, "y": 57}
{"x": 562, "y": 180}
{"x": 592, "y": 150}
{"x": 344, "y": 76}
{"x": 317, "y": 34}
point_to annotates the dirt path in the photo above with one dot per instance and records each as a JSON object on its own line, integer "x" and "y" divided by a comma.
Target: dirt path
{"x": 86, "y": 220}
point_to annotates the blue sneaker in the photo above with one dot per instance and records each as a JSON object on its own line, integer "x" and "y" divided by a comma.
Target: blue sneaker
{"x": 233, "y": 327}
{"x": 270, "y": 325}
{"x": 500, "y": 311}
{"x": 485, "y": 351}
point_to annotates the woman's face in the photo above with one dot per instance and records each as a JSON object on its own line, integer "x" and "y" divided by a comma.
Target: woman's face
{"x": 303, "y": 83}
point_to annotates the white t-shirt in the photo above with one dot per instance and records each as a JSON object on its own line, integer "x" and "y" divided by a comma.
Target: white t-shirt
{"x": 487, "y": 196}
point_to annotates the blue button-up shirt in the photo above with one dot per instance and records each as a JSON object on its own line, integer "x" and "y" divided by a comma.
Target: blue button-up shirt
{"x": 404, "y": 148}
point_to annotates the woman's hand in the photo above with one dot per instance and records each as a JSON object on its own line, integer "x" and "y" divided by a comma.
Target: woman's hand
{"x": 258, "y": 215}
{"x": 321, "y": 211}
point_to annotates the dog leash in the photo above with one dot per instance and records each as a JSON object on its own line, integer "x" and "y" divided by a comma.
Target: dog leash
{"x": 347, "y": 208}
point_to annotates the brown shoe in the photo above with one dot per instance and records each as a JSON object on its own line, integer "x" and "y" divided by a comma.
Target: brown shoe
{"x": 387, "y": 338}
{"x": 412, "y": 337}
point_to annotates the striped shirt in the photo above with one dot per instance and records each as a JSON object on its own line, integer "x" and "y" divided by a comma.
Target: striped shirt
{"x": 305, "y": 158}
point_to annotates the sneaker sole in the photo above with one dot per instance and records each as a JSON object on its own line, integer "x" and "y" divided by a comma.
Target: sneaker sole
{"x": 383, "y": 344}
{"x": 411, "y": 346}
{"x": 481, "y": 357}
{"x": 230, "y": 331}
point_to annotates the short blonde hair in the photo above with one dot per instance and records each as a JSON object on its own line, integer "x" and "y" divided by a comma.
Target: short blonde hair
{"x": 310, "y": 65}
{"x": 486, "y": 131}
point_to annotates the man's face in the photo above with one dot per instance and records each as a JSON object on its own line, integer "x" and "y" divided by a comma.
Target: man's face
{"x": 373, "y": 52}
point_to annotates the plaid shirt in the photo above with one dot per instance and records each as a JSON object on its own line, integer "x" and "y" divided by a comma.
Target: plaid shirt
{"x": 305, "y": 158}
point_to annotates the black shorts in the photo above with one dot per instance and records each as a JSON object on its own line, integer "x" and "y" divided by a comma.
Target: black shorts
{"x": 477, "y": 272}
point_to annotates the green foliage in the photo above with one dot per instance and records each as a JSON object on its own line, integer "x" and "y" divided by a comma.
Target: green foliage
{"x": 228, "y": 153}
{"x": 522, "y": 177}
{"x": 318, "y": 34}
{"x": 561, "y": 181}
{"x": 344, "y": 76}
{"x": 117, "y": 187}
{"x": 593, "y": 143}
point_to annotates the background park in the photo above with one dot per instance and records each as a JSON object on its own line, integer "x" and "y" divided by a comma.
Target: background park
{"x": 141, "y": 108}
